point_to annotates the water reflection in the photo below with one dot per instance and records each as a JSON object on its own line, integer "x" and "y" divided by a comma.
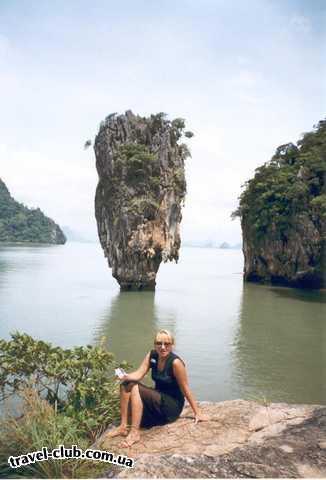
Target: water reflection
{"x": 315, "y": 296}
{"x": 4, "y": 267}
{"x": 279, "y": 351}
{"x": 129, "y": 325}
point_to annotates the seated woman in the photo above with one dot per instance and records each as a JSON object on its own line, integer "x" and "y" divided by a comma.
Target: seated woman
{"x": 159, "y": 405}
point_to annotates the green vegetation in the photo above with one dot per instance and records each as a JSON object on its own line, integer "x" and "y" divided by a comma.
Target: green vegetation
{"x": 189, "y": 134}
{"x": 139, "y": 169}
{"x": 179, "y": 180}
{"x": 41, "y": 426}
{"x": 87, "y": 144}
{"x": 21, "y": 224}
{"x": 292, "y": 183}
{"x": 79, "y": 382}
{"x": 137, "y": 161}
{"x": 159, "y": 123}
{"x": 69, "y": 397}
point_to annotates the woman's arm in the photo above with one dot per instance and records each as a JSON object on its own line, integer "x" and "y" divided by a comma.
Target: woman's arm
{"x": 180, "y": 374}
{"x": 140, "y": 373}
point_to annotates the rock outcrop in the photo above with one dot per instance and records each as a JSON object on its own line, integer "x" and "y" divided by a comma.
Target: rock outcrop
{"x": 283, "y": 215}
{"x": 140, "y": 163}
{"x": 21, "y": 224}
{"x": 242, "y": 439}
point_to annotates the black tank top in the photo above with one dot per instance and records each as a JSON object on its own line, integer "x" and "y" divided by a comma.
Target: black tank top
{"x": 165, "y": 380}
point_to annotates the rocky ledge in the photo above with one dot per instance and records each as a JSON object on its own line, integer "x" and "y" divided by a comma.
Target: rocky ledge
{"x": 242, "y": 439}
{"x": 141, "y": 188}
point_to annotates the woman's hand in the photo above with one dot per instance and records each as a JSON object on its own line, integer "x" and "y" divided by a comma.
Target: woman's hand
{"x": 201, "y": 417}
{"x": 124, "y": 377}
{"x": 138, "y": 374}
{"x": 180, "y": 374}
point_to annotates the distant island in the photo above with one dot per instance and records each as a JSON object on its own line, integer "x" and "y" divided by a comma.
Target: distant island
{"x": 212, "y": 244}
{"x": 227, "y": 246}
{"x": 73, "y": 235}
{"x": 19, "y": 223}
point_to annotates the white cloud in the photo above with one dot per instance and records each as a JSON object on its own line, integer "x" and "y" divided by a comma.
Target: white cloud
{"x": 245, "y": 78}
{"x": 300, "y": 23}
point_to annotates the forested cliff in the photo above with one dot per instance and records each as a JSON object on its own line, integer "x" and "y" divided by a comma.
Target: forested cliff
{"x": 283, "y": 215}
{"x": 21, "y": 224}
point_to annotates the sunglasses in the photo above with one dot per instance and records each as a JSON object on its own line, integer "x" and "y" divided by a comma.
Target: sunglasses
{"x": 160, "y": 344}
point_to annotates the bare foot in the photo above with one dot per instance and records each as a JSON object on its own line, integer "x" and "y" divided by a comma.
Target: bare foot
{"x": 116, "y": 432}
{"x": 133, "y": 437}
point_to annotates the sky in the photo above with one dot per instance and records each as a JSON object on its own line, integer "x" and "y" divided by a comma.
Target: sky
{"x": 247, "y": 75}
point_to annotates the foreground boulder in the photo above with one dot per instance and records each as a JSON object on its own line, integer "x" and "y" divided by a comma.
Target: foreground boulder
{"x": 242, "y": 439}
{"x": 283, "y": 215}
{"x": 140, "y": 163}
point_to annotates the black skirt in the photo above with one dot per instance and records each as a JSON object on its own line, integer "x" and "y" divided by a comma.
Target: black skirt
{"x": 158, "y": 408}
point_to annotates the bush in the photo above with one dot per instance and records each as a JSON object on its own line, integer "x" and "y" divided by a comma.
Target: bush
{"x": 77, "y": 382}
{"x": 41, "y": 426}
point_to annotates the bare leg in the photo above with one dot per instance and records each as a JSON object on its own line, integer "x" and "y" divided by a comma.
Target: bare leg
{"x": 124, "y": 402}
{"x": 136, "y": 415}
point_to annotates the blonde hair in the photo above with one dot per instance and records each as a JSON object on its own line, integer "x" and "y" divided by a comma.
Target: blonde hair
{"x": 167, "y": 333}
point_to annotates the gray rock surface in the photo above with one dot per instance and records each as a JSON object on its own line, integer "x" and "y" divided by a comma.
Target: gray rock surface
{"x": 140, "y": 163}
{"x": 294, "y": 262}
{"x": 242, "y": 439}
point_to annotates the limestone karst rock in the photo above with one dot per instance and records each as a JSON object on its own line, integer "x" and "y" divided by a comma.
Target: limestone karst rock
{"x": 141, "y": 188}
{"x": 283, "y": 215}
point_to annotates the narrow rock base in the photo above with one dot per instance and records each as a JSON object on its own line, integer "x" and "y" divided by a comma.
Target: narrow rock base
{"x": 137, "y": 286}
